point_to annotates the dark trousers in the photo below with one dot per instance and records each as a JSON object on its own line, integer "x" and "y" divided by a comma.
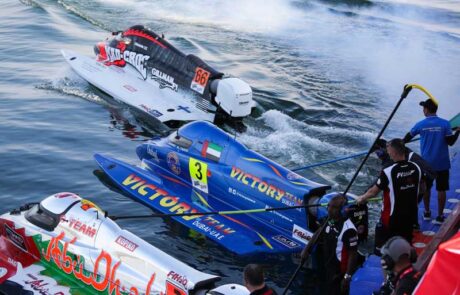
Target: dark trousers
{"x": 384, "y": 233}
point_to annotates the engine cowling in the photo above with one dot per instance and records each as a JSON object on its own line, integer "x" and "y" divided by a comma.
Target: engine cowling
{"x": 234, "y": 96}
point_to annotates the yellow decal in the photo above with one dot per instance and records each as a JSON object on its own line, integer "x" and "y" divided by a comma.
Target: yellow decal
{"x": 203, "y": 200}
{"x": 198, "y": 174}
{"x": 87, "y": 204}
{"x": 253, "y": 160}
{"x": 299, "y": 183}
{"x": 266, "y": 242}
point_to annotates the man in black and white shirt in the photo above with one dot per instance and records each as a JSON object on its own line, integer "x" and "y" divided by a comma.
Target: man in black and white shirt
{"x": 339, "y": 246}
{"x": 401, "y": 181}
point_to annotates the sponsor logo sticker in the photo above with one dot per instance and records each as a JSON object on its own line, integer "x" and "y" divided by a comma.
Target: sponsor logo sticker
{"x": 164, "y": 80}
{"x": 15, "y": 238}
{"x": 286, "y": 241}
{"x": 301, "y": 234}
{"x": 152, "y": 112}
{"x": 137, "y": 60}
{"x": 173, "y": 162}
{"x": 181, "y": 279}
{"x": 125, "y": 243}
{"x": 153, "y": 152}
{"x": 140, "y": 46}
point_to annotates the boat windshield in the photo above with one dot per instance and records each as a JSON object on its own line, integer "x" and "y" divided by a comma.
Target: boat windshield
{"x": 180, "y": 141}
{"x": 42, "y": 218}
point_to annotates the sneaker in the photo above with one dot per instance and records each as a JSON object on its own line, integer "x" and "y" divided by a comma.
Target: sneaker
{"x": 427, "y": 215}
{"x": 439, "y": 219}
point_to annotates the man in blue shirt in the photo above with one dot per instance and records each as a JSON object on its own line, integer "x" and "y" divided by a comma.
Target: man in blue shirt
{"x": 435, "y": 136}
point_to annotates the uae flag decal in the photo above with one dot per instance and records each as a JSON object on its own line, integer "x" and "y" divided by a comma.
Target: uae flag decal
{"x": 211, "y": 151}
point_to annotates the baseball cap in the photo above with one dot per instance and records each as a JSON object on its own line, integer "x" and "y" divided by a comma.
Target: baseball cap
{"x": 430, "y": 105}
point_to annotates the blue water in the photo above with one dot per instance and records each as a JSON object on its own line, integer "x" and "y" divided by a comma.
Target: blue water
{"x": 325, "y": 74}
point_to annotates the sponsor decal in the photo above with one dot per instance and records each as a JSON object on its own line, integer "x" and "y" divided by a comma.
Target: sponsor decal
{"x": 263, "y": 187}
{"x": 40, "y": 285}
{"x": 152, "y": 112}
{"x": 82, "y": 228}
{"x": 173, "y": 162}
{"x": 285, "y": 241}
{"x": 213, "y": 227}
{"x": 86, "y": 205}
{"x": 125, "y": 243}
{"x": 279, "y": 214}
{"x": 153, "y": 152}
{"x": 178, "y": 278}
{"x": 16, "y": 238}
{"x": 3, "y": 272}
{"x": 153, "y": 193}
{"x": 359, "y": 213}
{"x": 199, "y": 80}
{"x": 163, "y": 79}
{"x": 405, "y": 174}
{"x": 104, "y": 266}
{"x": 235, "y": 192}
{"x": 211, "y": 151}
{"x": 199, "y": 174}
{"x": 140, "y": 46}
{"x": 301, "y": 234}
{"x": 137, "y": 60}
{"x": 130, "y": 88}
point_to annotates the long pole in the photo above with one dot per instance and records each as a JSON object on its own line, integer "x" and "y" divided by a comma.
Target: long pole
{"x": 407, "y": 89}
{"x": 230, "y": 212}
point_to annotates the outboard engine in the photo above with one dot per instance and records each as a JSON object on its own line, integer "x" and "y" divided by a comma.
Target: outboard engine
{"x": 358, "y": 214}
{"x": 233, "y": 95}
{"x": 233, "y": 98}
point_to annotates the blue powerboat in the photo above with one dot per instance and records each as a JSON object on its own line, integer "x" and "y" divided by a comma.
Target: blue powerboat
{"x": 200, "y": 168}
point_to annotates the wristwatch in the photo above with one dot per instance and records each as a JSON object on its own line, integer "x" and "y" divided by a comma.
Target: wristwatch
{"x": 347, "y": 277}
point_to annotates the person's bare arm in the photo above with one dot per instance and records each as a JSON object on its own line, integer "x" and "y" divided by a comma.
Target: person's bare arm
{"x": 374, "y": 190}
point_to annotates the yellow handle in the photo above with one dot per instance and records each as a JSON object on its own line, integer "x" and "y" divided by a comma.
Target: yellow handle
{"x": 425, "y": 91}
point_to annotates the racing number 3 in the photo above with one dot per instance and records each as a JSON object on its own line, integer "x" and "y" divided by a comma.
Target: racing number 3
{"x": 199, "y": 174}
{"x": 201, "y": 76}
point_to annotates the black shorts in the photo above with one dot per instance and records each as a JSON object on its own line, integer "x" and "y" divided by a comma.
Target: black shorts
{"x": 384, "y": 233}
{"x": 442, "y": 181}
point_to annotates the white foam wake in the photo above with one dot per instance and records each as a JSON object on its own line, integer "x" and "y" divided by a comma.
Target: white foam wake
{"x": 287, "y": 140}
